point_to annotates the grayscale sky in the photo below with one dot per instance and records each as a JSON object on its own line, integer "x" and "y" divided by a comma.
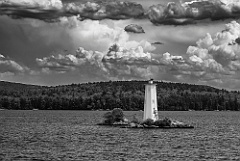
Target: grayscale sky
{"x": 54, "y": 42}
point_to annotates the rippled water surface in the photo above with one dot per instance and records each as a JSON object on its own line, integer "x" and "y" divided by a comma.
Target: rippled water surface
{"x": 73, "y": 135}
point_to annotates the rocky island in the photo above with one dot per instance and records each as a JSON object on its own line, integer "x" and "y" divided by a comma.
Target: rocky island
{"x": 116, "y": 118}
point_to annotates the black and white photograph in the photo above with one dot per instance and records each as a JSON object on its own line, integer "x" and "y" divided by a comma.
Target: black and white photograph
{"x": 120, "y": 80}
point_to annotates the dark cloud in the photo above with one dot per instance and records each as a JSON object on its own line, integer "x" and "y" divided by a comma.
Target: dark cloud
{"x": 50, "y": 10}
{"x": 47, "y": 10}
{"x": 189, "y": 12}
{"x": 173, "y": 13}
{"x": 158, "y": 43}
{"x": 101, "y": 10}
{"x": 134, "y": 28}
{"x": 36, "y": 13}
{"x": 238, "y": 40}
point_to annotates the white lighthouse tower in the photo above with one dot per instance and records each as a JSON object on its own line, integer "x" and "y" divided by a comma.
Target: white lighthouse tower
{"x": 150, "y": 102}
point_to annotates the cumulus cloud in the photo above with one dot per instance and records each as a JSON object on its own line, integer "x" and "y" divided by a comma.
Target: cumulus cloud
{"x": 118, "y": 62}
{"x": 134, "y": 28}
{"x": 188, "y": 12}
{"x": 214, "y": 56}
{"x": 51, "y": 10}
{"x": 125, "y": 63}
{"x": 133, "y": 56}
{"x": 66, "y": 62}
{"x": 9, "y": 66}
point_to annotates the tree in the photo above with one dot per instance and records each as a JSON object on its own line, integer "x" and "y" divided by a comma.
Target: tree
{"x": 116, "y": 115}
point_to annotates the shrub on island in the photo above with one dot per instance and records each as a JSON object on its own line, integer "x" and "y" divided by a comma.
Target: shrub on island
{"x": 166, "y": 122}
{"x": 108, "y": 118}
{"x": 114, "y": 117}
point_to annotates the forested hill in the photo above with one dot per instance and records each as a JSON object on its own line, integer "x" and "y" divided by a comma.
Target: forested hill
{"x": 128, "y": 95}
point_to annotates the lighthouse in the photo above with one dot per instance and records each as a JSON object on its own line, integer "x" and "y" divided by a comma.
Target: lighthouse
{"x": 150, "y": 102}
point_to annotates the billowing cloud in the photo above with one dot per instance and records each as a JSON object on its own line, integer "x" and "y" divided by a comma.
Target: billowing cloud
{"x": 118, "y": 62}
{"x": 213, "y": 58}
{"x": 51, "y": 10}
{"x": 219, "y": 53}
{"x": 189, "y": 12}
{"x": 134, "y": 28}
{"x": 62, "y": 63}
{"x": 9, "y": 66}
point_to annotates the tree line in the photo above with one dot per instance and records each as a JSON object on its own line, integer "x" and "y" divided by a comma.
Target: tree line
{"x": 127, "y": 95}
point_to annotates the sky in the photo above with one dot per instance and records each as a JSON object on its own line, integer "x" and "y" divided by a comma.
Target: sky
{"x": 56, "y": 42}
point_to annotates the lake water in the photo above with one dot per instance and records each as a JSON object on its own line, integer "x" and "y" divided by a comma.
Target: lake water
{"x": 73, "y": 135}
